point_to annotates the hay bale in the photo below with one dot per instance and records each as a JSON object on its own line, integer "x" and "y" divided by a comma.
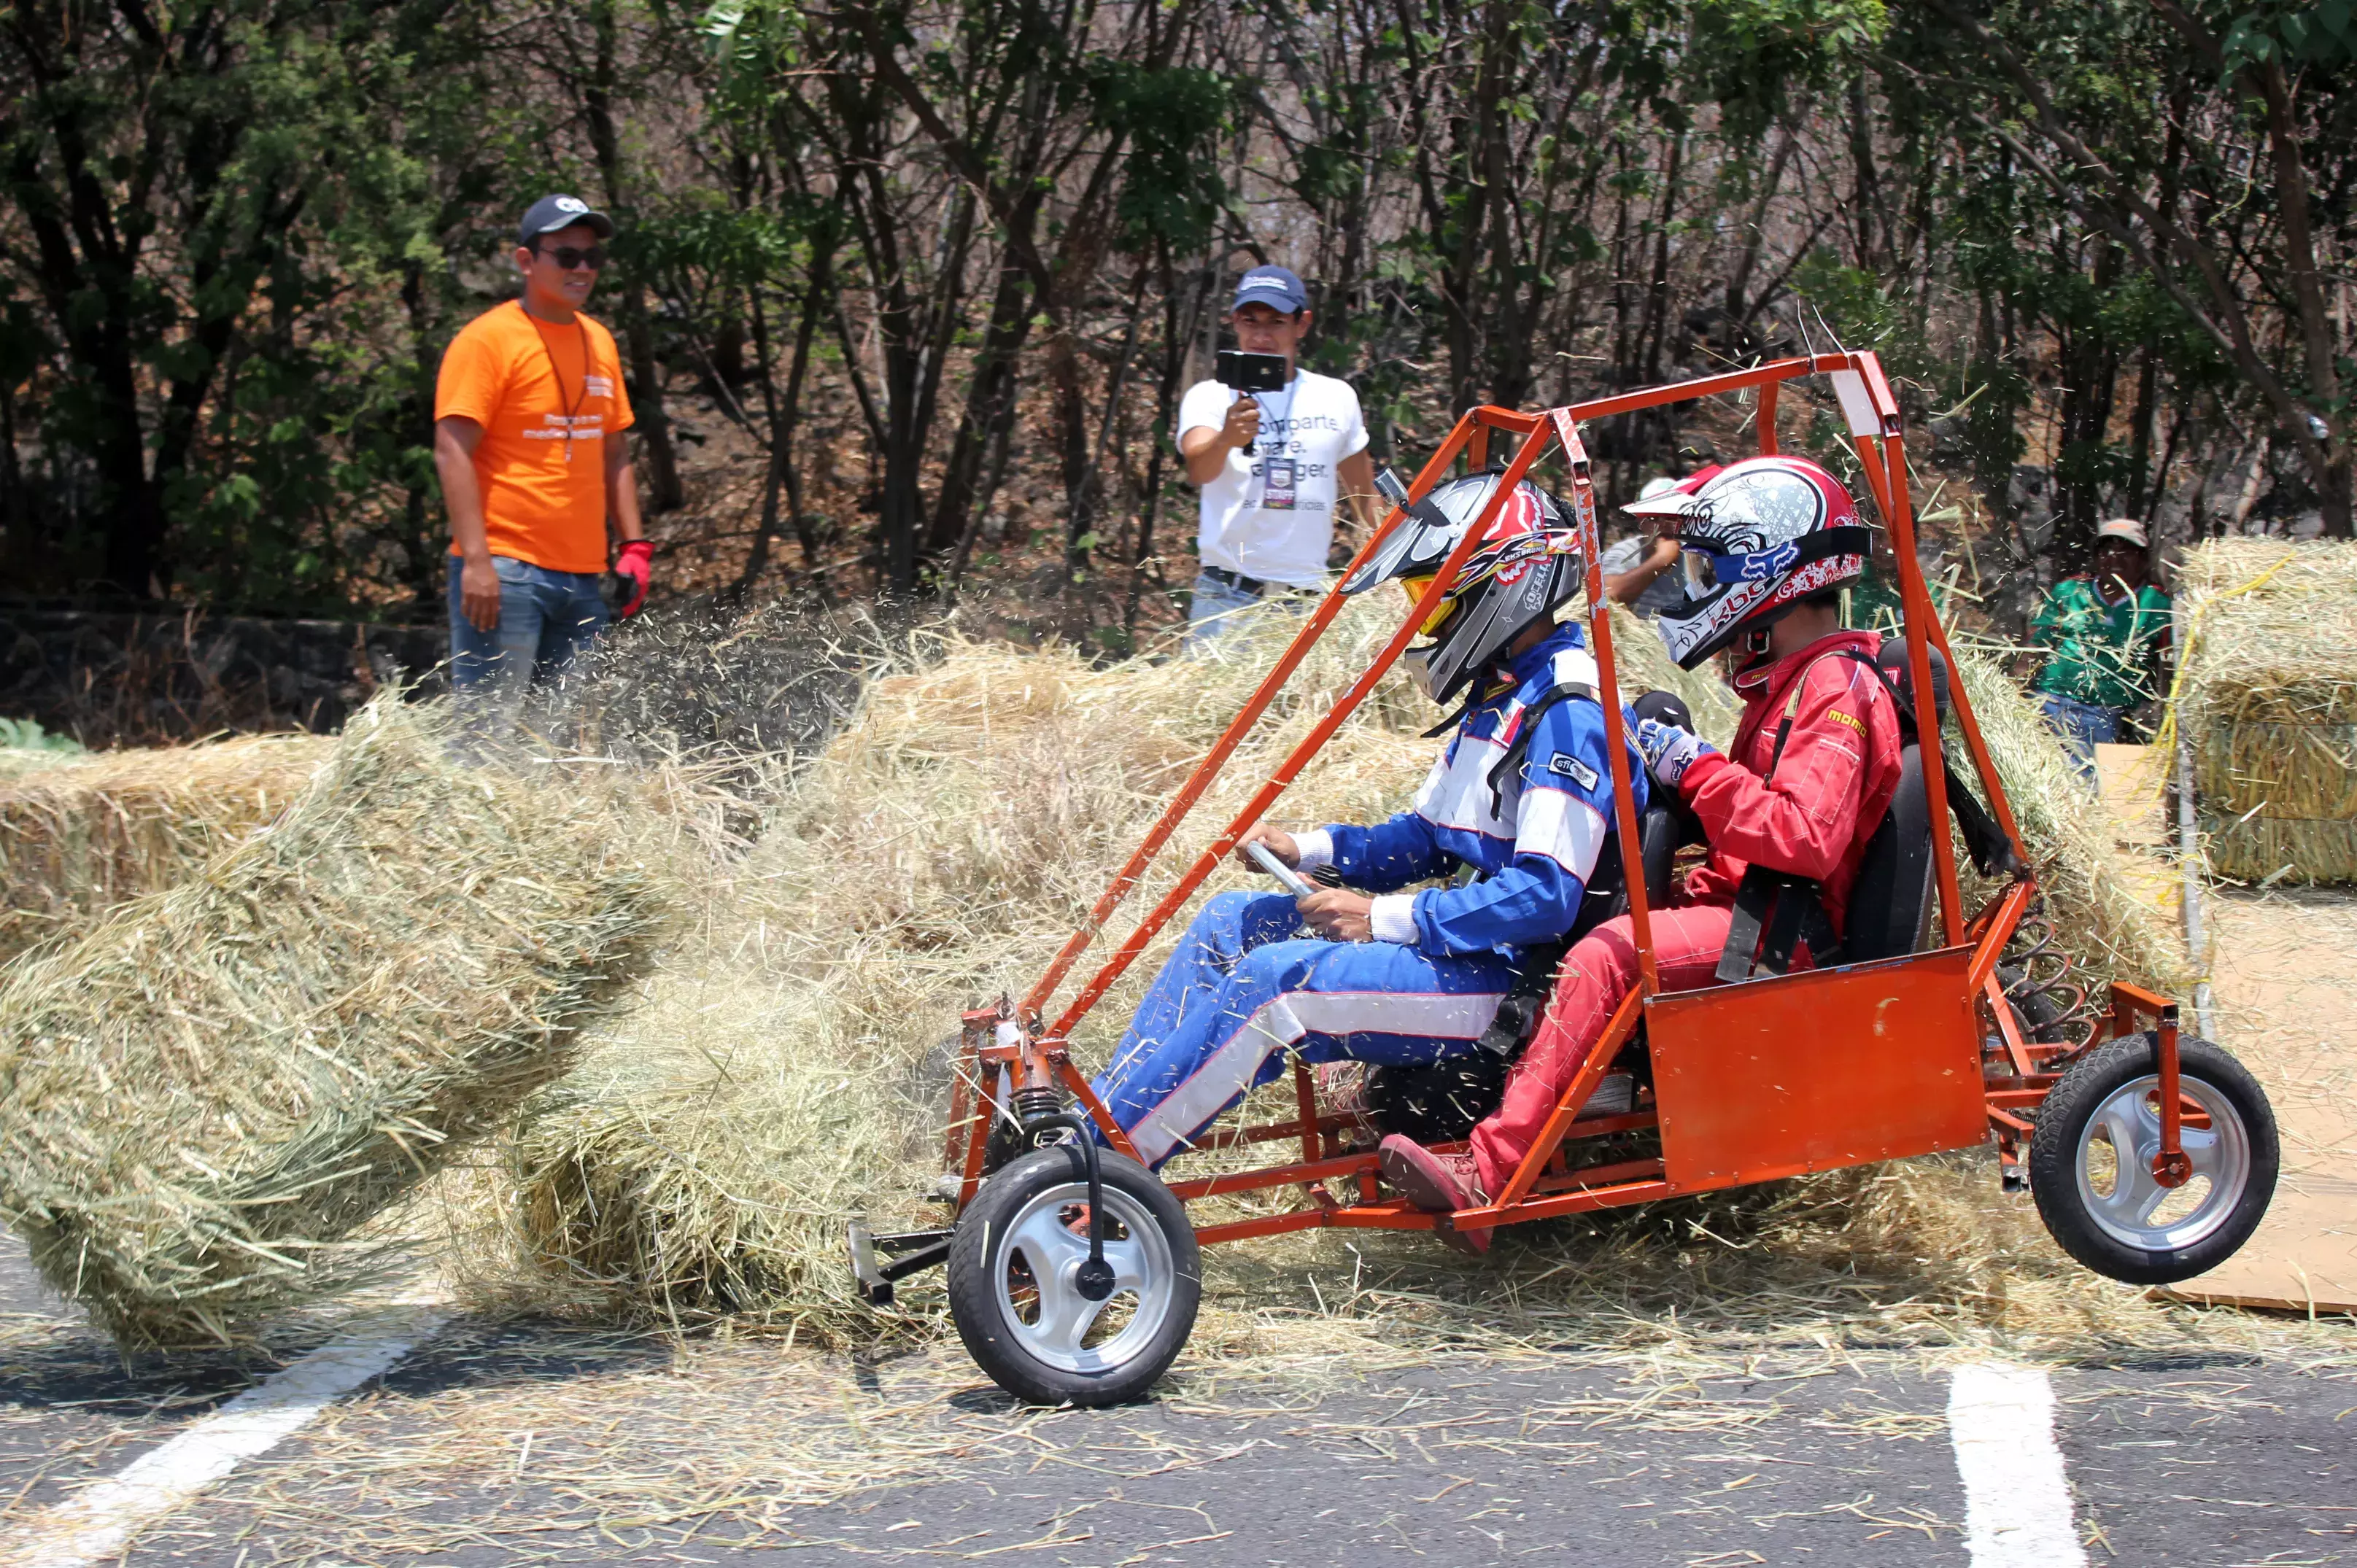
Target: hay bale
{"x": 2091, "y": 891}
{"x": 2267, "y": 697}
{"x": 79, "y": 834}
{"x": 2268, "y": 849}
{"x": 207, "y": 1094}
{"x": 705, "y": 1157}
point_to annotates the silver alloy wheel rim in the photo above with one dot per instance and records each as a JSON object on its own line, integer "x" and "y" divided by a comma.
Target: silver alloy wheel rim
{"x": 1141, "y": 1268}
{"x": 2130, "y": 1120}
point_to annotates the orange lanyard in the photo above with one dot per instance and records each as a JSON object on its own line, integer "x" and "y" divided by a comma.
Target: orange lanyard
{"x": 558, "y": 371}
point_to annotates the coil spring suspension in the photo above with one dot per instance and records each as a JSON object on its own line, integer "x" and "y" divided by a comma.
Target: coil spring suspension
{"x": 1032, "y": 1104}
{"x": 2054, "y": 1008}
{"x": 1027, "y": 1108}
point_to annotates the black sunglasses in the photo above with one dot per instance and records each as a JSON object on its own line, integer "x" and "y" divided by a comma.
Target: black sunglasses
{"x": 567, "y": 258}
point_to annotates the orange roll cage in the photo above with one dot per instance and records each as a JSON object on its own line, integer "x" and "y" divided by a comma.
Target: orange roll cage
{"x": 1736, "y": 1099}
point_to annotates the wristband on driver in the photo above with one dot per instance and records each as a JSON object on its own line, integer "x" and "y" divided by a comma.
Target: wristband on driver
{"x": 1393, "y": 916}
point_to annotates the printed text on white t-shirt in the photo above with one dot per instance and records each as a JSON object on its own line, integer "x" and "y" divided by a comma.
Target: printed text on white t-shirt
{"x": 1239, "y": 532}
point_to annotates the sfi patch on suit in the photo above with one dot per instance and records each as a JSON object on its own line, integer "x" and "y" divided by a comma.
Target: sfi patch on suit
{"x": 1572, "y": 768}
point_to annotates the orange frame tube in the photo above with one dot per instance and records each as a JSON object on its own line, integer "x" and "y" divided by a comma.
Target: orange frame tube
{"x": 1608, "y": 694}
{"x": 1344, "y": 706}
{"x": 1214, "y": 760}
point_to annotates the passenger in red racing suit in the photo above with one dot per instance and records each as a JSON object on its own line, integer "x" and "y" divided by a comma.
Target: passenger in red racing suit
{"x": 1811, "y": 816}
{"x": 1806, "y": 807}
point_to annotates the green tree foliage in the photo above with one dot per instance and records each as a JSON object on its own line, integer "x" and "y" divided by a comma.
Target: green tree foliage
{"x": 220, "y": 220}
{"x": 923, "y": 253}
{"x": 1172, "y": 193}
{"x": 2203, "y": 148}
{"x": 1758, "y": 58}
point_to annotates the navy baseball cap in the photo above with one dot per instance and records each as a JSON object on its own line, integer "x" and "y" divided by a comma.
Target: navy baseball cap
{"x": 551, "y": 213}
{"x": 1271, "y": 287}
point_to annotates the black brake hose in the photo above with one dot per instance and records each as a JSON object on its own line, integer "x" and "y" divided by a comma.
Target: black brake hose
{"x": 1094, "y": 1281}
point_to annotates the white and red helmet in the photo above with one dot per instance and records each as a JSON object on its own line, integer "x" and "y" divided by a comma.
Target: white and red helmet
{"x": 1758, "y": 537}
{"x": 1528, "y": 564}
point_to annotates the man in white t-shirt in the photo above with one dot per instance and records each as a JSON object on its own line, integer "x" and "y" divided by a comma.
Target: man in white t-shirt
{"x": 1637, "y": 570}
{"x": 1272, "y": 466}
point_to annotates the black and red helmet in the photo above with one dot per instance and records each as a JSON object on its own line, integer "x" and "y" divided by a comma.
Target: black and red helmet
{"x": 1528, "y": 564}
{"x": 1759, "y": 536}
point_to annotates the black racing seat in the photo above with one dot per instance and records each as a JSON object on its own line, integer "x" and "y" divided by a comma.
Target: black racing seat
{"x": 1658, "y": 832}
{"x": 1891, "y": 903}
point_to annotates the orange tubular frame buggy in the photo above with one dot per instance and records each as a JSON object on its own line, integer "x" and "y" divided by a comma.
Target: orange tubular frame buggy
{"x": 1932, "y": 1057}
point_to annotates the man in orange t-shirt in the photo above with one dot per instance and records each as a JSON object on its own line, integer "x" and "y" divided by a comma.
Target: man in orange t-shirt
{"x": 528, "y": 419}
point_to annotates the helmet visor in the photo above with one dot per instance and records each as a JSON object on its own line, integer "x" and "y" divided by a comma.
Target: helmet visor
{"x": 1706, "y": 570}
{"x": 1413, "y": 588}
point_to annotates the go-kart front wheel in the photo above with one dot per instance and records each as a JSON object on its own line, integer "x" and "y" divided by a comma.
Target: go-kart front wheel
{"x": 1016, "y": 1289}
{"x": 2091, "y": 1162}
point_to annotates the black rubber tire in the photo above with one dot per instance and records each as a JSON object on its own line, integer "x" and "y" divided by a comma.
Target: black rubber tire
{"x": 2063, "y": 1122}
{"x": 977, "y": 1252}
{"x": 2035, "y": 1015}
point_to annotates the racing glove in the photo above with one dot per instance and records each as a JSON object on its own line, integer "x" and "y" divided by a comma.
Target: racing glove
{"x": 636, "y": 565}
{"x": 1670, "y": 751}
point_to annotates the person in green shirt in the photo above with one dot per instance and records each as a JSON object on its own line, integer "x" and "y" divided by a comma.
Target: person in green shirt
{"x": 2104, "y": 635}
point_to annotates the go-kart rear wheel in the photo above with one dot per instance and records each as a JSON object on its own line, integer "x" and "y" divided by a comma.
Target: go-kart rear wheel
{"x": 1014, "y": 1290}
{"x": 2091, "y": 1162}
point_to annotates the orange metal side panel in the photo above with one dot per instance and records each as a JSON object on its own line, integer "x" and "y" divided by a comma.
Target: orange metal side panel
{"x": 1811, "y": 1071}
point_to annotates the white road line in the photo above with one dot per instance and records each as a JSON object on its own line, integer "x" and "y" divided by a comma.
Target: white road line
{"x": 2017, "y": 1501}
{"x": 92, "y": 1525}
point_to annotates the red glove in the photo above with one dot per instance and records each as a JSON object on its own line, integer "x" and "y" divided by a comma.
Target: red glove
{"x": 637, "y": 562}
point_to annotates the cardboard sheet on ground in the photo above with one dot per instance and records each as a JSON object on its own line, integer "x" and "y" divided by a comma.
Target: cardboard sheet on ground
{"x": 2286, "y": 985}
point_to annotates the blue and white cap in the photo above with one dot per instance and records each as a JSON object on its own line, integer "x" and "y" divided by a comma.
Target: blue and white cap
{"x": 1271, "y": 287}
{"x": 551, "y": 213}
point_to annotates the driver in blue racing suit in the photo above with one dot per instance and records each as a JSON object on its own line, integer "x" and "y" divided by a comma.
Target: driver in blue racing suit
{"x": 1522, "y": 796}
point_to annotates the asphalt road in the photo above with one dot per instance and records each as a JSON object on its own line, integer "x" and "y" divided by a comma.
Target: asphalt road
{"x": 497, "y": 1444}
{"x": 1850, "y": 1469}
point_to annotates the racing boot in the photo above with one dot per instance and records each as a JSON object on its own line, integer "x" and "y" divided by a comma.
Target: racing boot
{"x": 1437, "y": 1184}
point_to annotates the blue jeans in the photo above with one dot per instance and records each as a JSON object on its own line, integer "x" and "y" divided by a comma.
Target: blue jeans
{"x": 1216, "y": 607}
{"x": 2081, "y": 726}
{"x": 545, "y": 619}
{"x": 1241, "y": 990}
